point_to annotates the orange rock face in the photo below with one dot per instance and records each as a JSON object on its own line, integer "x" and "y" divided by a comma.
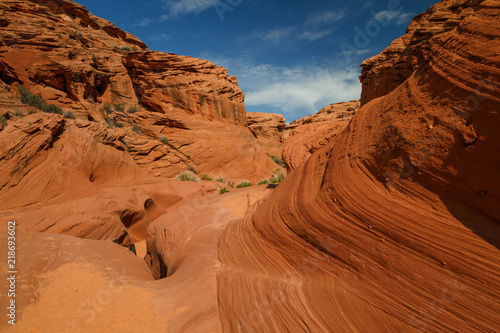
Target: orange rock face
{"x": 394, "y": 226}
{"x": 169, "y": 83}
{"x": 384, "y": 72}
{"x": 268, "y": 128}
{"x": 388, "y": 222}
{"x": 306, "y": 135}
{"x": 102, "y": 74}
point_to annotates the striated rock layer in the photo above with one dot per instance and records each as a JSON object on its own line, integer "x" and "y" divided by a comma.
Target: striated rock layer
{"x": 384, "y": 72}
{"x": 306, "y": 135}
{"x": 86, "y": 65}
{"x": 269, "y": 129}
{"x": 394, "y": 226}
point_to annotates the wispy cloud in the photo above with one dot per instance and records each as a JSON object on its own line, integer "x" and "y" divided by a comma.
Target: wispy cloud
{"x": 183, "y": 7}
{"x": 313, "y": 36}
{"x": 275, "y": 35}
{"x": 145, "y": 22}
{"x": 160, "y": 37}
{"x": 397, "y": 17}
{"x": 324, "y": 18}
{"x": 293, "y": 91}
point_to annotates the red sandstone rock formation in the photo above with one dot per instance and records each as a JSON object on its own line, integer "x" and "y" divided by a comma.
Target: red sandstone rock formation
{"x": 268, "y": 128}
{"x": 394, "y": 226}
{"x": 390, "y": 227}
{"x": 384, "y": 72}
{"x": 306, "y": 135}
{"x": 61, "y": 52}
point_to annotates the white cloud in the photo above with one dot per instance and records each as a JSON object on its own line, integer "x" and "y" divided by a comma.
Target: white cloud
{"x": 160, "y": 37}
{"x": 327, "y": 17}
{"x": 276, "y": 36}
{"x": 183, "y": 7}
{"x": 293, "y": 91}
{"x": 315, "y": 35}
{"x": 145, "y": 22}
{"x": 393, "y": 16}
{"x": 303, "y": 91}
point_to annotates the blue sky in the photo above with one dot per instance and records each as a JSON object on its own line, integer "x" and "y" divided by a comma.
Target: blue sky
{"x": 291, "y": 57}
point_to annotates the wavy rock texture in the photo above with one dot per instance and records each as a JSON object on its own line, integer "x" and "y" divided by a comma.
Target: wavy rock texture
{"x": 306, "y": 135}
{"x": 81, "y": 285}
{"x": 46, "y": 157}
{"x": 170, "y": 83}
{"x": 393, "y": 227}
{"x": 384, "y": 72}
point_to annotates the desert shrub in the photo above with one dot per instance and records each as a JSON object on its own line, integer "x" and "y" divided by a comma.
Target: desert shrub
{"x": 133, "y": 109}
{"x": 263, "y": 182}
{"x": 220, "y": 180}
{"x": 108, "y": 107}
{"x": 277, "y": 176}
{"x": 164, "y": 139}
{"x": 278, "y": 161}
{"x": 18, "y": 113}
{"x": 230, "y": 184}
{"x": 119, "y": 107}
{"x": 126, "y": 49}
{"x": 205, "y": 177}
{"x": 110, "y": 123}
{"x": 223, "y": 190}
{"x": 119, "y": 124}
{"x": 69, "y": 114}
{"x": 187, "y": 176}
{"x": 136, "y": 128}
{"x": 3, "y": 120}
{"x": 51, "y": 108}
{"x": 243, "y": 184}
{"x": 36, "y": 101}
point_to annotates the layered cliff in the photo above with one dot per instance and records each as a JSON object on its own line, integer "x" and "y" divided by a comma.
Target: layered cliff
{"x": 394, "y": 226}
{"x": 306, "y": 135}
{"x": 60, "y": 53}
{"x": 384, "y": 72}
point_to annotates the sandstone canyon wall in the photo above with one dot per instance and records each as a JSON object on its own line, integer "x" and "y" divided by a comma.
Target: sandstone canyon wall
{"x": 388, "y": 221}
{"x": 394, "y": 226}
{"x": 86, "y": 65}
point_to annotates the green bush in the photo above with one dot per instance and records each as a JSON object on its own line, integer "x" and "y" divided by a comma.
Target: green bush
{"x": 164, "y": 139}
{"x": 187, "y": 176}
{"x": 205, "y": 177}
{"x": 136, "y": 128}
{"x": 133, "y": 109}
{"x": 119, "y": 107}
{"x": 36, "y": 101}
{"x": 278, "y": 161}
{"x": 223, "y": 190}
{"x": 277, "y": 176}
{"x": 18, "y": 113}
{"x": 220, "y": 180}
{"x": 263, "y": 182}
{"x": 3, "y": 120}
{"x": 69, "y": 114}
{"x": 119, "y": 124}
{"x": 243, "y": 184}
{"x": 126, "y": 49}
{"x": 51, "y": 108}
{"x": 108, "y": 107}
{"x": 230, "y": 184}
